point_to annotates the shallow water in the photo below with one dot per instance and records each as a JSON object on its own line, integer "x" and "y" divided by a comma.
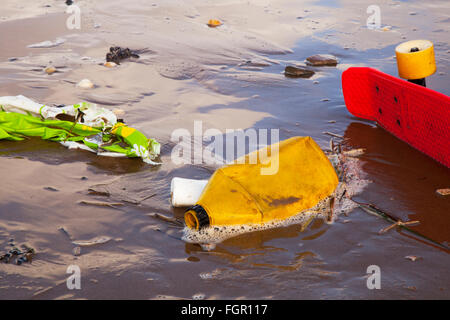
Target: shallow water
{"x": 190, "y": 73}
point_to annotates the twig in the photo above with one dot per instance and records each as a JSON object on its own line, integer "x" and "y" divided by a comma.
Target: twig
{"x": 101, "y": 204}
{"x": 333, "y": 134}
{"x": 399, "y": 223}
{"x": 371, "y": 209}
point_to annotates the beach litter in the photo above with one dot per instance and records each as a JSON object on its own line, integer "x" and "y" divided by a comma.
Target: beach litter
{"x": 230, "y": 205}
{"x": 83, "y": 126}
{"x": 253, "y": 192}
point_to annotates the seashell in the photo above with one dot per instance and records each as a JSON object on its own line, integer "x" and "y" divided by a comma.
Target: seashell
{"x": 85, "y": 84}
{"x": 110, "y": 64}
{"x": 50, "y": 70}
{"x": 443, "y": 192}
{"x": 214, "y": 23}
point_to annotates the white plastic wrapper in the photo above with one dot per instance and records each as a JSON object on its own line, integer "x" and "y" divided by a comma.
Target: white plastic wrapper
{"x": 92, "y": 115}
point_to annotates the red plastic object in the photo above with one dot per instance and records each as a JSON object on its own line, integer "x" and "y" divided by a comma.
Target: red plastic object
{"x": 414, "y": 114}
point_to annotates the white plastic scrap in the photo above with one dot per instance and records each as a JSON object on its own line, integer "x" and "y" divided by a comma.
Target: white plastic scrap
{"x": 92, "y": 115}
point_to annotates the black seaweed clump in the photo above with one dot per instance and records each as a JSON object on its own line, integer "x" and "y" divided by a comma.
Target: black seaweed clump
{"x": 116, "y": 54}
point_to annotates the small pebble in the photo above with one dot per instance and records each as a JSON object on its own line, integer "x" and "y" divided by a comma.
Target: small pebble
{"x": 198, "y": 296}
{"x": 76, "y": 251}
{"x": 110, "y": 64}
{"x": 322, "y": 60}
{"x": 300, "y": 72}
{"x": 50, "y": 70}
{"x": 51, "y": 189}
{"x": 214, "y": 23}
{"x": 412, "y": 258}
{"x": 85, "y": 84}
{"x": 193, "y": 259}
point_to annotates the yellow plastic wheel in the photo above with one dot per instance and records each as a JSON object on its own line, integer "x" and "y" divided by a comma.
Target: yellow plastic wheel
{"x": 415, "y": 59}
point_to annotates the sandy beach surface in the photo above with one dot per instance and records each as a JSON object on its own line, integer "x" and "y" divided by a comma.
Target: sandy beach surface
{"x": 228, "y": 77}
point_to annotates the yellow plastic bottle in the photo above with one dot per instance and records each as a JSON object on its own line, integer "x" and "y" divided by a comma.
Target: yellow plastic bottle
{"x": 294, "y": 176}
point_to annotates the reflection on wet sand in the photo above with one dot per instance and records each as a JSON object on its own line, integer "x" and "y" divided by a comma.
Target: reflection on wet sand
{"x": 408, "y": 177}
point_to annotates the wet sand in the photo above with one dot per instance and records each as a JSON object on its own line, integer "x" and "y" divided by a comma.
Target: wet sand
{"x": 228, "y": 77}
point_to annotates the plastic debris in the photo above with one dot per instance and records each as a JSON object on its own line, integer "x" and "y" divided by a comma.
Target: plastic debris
{"x": 248, "y": 192}
{"x": 185, "y": 192}
{"x": 82, "y": 126}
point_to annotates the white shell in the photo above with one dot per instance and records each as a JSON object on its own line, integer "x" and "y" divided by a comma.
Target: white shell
{"x": 85, "y": 84}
